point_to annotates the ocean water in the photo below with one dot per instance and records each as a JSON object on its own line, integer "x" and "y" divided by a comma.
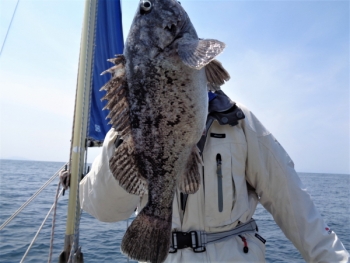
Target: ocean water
{"x": 100, "y": 242}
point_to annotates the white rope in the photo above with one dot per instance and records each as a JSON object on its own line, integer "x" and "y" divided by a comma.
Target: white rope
{"x": 37, "y": 233}
{"x": 8, "y": 29}
{"x": 53, "y": 222}
{"x": 127, "y": 226}
{"x": 30, "y": 200}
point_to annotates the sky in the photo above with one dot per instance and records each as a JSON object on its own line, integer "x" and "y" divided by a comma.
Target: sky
{"x": 288, "y": 61}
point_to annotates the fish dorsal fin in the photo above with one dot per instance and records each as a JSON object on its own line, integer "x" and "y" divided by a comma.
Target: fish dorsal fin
{"x": 216, "y": 75}
{"x": 190, "y": 180}
{"x": 122, "y": 164}
{"x": 198, "y": 53}
{"x": 117, "y": 89}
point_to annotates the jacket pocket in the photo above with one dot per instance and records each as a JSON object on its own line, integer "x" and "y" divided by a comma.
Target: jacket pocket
{"x": 219, "y": 186}
{"x": 226, "y": 197}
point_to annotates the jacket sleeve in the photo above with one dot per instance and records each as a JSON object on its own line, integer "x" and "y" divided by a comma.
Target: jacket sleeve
{"x": 99, "y": 192}
{"x": 271, "y": 172}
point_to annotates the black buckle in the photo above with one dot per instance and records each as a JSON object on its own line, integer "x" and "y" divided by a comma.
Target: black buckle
{"x": 182, "y": 240}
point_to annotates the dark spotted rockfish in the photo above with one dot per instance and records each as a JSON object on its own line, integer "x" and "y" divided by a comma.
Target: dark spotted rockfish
{"x": 158, "y": 102}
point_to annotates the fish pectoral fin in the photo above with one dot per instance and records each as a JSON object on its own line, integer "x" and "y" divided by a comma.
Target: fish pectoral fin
{"x": 216, "y": 75}
{"x": 198, "y": 53}
{"x": 124, "y": 169}
{"x": 190, "y": 180}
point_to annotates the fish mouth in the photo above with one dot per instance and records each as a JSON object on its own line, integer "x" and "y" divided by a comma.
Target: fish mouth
{"x": 176, "y": 29}
{"x": 178, "y": 15}
{"x": 172, "y": 33}
{"x": 171, "y": 27}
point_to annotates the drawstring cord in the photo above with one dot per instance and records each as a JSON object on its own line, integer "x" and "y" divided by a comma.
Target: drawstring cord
{"x": 245, "y": 248}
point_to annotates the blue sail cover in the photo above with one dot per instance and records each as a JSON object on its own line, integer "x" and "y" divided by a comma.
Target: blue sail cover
{"x": 108, "y": 42}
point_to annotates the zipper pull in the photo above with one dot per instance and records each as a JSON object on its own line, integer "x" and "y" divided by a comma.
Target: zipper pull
{"x": 219, "y": 175}
{"x": 218, "y": 165}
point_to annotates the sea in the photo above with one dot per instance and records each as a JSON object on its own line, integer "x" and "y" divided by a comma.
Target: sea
{"x": 100, "y": 242}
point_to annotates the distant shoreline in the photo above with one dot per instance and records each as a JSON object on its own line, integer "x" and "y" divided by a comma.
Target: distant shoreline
{"x": 27, "y": 160}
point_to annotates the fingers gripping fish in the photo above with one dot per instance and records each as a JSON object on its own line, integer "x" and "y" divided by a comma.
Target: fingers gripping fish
{"x": 157, "y": 99}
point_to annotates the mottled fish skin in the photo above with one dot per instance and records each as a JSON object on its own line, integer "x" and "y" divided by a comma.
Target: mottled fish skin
{"x": 168, "y": 108}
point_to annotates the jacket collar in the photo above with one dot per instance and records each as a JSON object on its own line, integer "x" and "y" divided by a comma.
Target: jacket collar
{"x": 219, "y": 102}
{"x": 222, "y": 109}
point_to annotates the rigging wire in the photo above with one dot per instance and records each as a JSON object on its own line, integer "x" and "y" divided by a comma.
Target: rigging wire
{"x": 127, "y": 226}
{"x": 37, "y": 233}
{"x": 8, "y": 29}
{"x": 54, "y": 221}
{"x": 30, "y": 199}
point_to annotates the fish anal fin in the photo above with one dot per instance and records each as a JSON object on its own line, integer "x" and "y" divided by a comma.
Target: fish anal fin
{"x": 124, "y": 168}
{"x": 198, "y": 53}
{"x": 189, "y": 181}
{"x": 216, "y": 75}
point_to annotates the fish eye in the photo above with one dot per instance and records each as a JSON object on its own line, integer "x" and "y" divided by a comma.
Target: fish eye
{"x": 179, "y": 2}
{"x": 145, "y": 6}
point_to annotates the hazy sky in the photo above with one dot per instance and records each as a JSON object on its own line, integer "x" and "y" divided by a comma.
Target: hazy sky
{"x": 288, "y": 60}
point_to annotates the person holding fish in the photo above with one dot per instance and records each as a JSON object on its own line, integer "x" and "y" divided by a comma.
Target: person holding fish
{"x": 193, "y": 164}
{"x": 243, "y": 165}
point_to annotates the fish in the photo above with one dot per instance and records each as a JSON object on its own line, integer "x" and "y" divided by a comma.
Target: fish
{"x": 157, "y": 98}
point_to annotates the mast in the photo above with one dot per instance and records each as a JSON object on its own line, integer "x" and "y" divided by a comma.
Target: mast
{"x": 79, "y": 132}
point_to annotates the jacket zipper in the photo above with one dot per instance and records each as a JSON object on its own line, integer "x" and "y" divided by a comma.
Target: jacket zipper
{"x": 219, "y": 176}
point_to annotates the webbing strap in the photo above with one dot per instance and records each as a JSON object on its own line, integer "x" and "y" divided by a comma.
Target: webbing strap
{"x": 197, "y": 240}
{"x": 207, "y": 238}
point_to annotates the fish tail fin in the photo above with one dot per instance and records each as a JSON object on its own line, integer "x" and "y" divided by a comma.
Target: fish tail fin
{"x": 190, "y": 180}
{"x": 147, "y": 239}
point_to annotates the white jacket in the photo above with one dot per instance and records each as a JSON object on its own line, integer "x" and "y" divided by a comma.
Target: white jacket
{"x": 249, "y": 154}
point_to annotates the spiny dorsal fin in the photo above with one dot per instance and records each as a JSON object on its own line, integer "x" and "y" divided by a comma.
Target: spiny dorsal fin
{"x": 216, "y": 75}
{"x": 116, "y": 92}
